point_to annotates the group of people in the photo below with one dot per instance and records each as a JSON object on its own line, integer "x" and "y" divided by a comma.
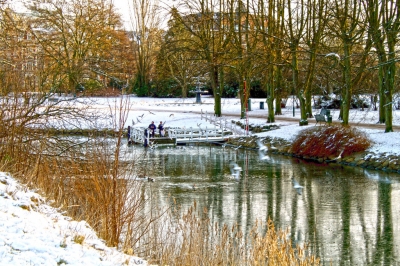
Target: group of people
{"x": 152, "y": 129}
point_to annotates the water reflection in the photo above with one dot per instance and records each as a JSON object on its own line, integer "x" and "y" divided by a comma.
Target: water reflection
{"x": 348, "y": 215}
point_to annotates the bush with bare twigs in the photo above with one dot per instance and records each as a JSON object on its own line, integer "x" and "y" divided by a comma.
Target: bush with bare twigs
{"x": 330, "y": 141}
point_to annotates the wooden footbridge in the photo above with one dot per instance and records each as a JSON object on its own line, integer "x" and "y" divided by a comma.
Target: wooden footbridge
{"x": 180, "y": 136}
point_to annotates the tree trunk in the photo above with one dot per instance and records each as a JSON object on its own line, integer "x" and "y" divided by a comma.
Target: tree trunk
{"x": 348, "y": 87}
{"x": 295, "y": 82}
{"x": 184, "y": 90}
{"x": 308, "y": 84}
{"x": 382, "y": 98}
{"x": 390, "y": 83}
{"x": 216, "y": 90}
{"x": 270, "y": 101}
{"x": 279, "y": 87}
{"x": 302, "y": 99}
{"x": 242, "y": 97}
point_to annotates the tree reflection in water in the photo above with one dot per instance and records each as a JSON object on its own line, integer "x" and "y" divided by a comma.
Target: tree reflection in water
{"x": 345, "y": 214}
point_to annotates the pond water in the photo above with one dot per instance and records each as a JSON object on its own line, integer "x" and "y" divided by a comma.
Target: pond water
{"x": 348, "y": 215}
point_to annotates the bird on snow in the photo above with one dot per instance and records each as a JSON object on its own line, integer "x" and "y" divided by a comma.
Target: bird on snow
{"x": 297, "y": 186}
{"x": 235, "y": 170}
{"x": 151, "y": 113}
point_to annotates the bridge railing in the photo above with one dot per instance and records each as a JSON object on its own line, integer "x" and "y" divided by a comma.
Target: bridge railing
{"x": 138, "y": 136}
{"x": 222, "y": 123}
{"x": 199, "y": 133}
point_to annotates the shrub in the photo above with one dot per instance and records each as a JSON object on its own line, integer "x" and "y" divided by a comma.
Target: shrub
{"x": 324, "y": 142}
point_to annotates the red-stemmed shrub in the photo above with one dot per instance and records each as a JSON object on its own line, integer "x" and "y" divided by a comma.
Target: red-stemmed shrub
{"x": 330, "y": 141}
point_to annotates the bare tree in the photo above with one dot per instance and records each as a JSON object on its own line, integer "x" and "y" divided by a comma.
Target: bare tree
{"x": 210, "y": 32}
{"x": 177, "y": 55}
{"x": 71, "y": 36}
{"x": 384, "y": 25}
{"x": 347, "y": 26}
{"x": 146, "y": 37}
{"x": 270, "y": 23}
{"x": 239, "y": 57}
{"x": 26, "y": 100}
{"x": 296, "y": 24}
{"x": 314, "y": 32}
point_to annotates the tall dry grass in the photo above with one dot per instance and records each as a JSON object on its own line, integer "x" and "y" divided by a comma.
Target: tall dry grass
{"x": 194, "y": 240}
{"x": 83, "y": 176}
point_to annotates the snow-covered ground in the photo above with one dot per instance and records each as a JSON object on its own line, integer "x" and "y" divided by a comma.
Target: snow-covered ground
{"x": 33, "y": 233}
{"x": 186, "y": 113}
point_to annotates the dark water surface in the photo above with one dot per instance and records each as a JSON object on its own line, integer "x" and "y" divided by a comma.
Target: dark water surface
{"x": 348, "y": 215}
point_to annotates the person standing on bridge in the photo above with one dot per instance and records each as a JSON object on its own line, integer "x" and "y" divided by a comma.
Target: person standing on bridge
{"x": 145, "y": 139}
{"x": 152, "y": 128}
{"x": 129, "y": 135}
{"x": 161, "y": 129}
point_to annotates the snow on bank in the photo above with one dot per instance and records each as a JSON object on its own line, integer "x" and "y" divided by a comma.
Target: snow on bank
{"x": 184, "y": 112}
{"x": 178, "y": 112}
{"x": 33, "y": 233}
{"x": 382, "y": 143}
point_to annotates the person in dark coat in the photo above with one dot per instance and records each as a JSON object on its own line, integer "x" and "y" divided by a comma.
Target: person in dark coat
{"x": 129, "y": 134}
{"x": 161, "y": 129}
{"x": 145, "y": 144}
{"x": 152, "y": 128}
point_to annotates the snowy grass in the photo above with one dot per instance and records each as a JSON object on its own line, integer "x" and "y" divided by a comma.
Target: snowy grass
{"x": 34, "y": 233}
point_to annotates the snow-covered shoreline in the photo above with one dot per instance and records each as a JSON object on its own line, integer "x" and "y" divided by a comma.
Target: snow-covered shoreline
{"x": 34, "y": 233}
{"x": 185, "y": 112}
{"x": 179, "y": 112}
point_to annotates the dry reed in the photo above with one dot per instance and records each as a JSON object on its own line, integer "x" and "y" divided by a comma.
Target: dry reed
{"x": 194, "y": 240}
{"x": 329, "y": 141}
